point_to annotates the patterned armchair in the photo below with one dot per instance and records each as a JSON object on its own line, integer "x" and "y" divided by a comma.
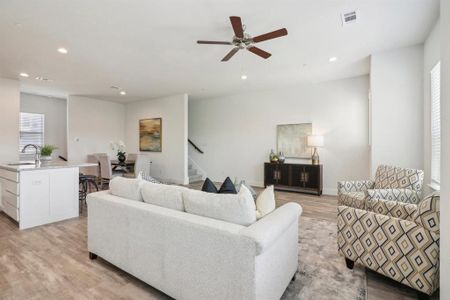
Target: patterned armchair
{"x": 391, "y": 183}
{"x": 398, "y": 240}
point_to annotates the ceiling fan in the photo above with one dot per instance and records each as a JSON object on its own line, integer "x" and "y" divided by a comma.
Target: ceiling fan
{"x": 243, "y": 40}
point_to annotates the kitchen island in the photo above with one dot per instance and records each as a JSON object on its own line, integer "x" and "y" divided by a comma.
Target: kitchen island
{"x": 35, "y": 194}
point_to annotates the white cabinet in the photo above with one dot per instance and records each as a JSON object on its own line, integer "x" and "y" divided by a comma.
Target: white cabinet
{"x": 64, "y": 202}
{"x": 41, "y": 196}
{"x": 9, "y": 191}
{"x": 34, "y": 198}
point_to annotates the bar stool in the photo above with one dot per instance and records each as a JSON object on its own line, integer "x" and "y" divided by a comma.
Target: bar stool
{"x": 86, "y": 183}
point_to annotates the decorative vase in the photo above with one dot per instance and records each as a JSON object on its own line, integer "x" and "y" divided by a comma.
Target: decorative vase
{"x": 271, "y": 156}
{"x": 281, "y": 158}
{"x": 46, "y": 158}
{"x": 121, "y": 157}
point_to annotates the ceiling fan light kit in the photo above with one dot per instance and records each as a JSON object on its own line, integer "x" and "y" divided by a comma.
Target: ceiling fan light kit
{"x": 243, "y": 40}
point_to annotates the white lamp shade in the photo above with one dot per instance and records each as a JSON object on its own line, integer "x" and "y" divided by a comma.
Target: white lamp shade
{"x": 315, "y": 140}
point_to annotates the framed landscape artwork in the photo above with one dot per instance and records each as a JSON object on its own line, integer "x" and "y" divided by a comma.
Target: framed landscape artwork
{"x": 150, "y": 135}
{"x": 291, "y": 140}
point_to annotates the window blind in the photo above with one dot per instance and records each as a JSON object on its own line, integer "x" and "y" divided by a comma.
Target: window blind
{"x": 31, "y": 130}
{"x": 436, "y": 123}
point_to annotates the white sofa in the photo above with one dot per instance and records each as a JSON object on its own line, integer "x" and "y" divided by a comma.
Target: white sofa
{"x": 189, "y": 256}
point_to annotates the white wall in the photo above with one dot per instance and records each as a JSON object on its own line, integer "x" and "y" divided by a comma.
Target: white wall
{"x": 9, "y": 119}
{"x": 445, "y": 150}
{"x": 432, "y": 55}
{"x": 55, "y": 111}
{"x": 170, "y": 164}
{"x": 396, "y": 82}
{"x": 92, "y": 125}
{"x": 237, "y": 132}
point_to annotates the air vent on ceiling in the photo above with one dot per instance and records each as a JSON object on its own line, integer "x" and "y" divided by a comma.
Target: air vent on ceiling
{"x": 348, "y": 18}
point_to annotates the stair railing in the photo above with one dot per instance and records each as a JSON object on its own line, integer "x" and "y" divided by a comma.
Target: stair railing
{"x": 195, "y": 146}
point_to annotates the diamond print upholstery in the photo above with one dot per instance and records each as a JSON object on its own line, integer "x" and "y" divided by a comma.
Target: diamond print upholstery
{"x": 390, "y": 177}
{"x": 353, "y": 193}
{"x": 428, "y": 214}
{"x": 353, "y": 199}
{"x": 400, "y": 210}
{"x": 404, "y": 250}
{"x": 391, "y": 183}
{"x": 400, "y": 195}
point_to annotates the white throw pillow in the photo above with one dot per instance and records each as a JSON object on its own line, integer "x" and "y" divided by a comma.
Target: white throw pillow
{"x": 169, "y": 196}
{"x": 265, "y": 203}
{"x": 234, "y": 208}
{"x": 129, "y": 188}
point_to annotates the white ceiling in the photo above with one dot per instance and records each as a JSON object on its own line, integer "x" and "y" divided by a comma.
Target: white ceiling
{"x": 149, "y": 47}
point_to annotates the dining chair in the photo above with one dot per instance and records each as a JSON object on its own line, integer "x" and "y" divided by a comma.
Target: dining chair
{"x": 106, "y": 172}
{"x": 132, "y": 156}
{"x": 141, "y": 166}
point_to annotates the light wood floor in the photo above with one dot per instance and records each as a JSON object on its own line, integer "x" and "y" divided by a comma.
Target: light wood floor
{"x": 51, "y": 262}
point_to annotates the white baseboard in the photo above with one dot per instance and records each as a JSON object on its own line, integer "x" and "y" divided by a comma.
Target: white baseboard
{"x": 330, "y": 191}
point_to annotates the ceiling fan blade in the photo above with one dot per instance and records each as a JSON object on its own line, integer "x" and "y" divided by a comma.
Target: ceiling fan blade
{"x": 230, "y": 54}
{"x": 270, "y": 35}
{"x": 237, "y": 27}
{"x": 214, "y": 43}
{"x": 259, "y": 52}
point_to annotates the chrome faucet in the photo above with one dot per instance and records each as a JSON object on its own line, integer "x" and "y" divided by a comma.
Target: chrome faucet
{"x": 36, "y": 154}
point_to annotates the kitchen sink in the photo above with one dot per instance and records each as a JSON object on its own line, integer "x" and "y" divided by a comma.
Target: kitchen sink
{"x": 24, "y": 163}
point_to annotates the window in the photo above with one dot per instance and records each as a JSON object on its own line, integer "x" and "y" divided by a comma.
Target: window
{"x": 31, "y": 130}
{"x": 436, "y": 124}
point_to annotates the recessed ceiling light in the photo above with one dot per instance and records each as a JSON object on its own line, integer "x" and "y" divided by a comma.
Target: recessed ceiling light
{"x": 243, "y": 77}
{"x": 123, "y": 93}
{"x": 24, "y": 75}
{"x": 333, "y": 59}
{"x": 62, "y": 50}
{"x": 41, "y": 78}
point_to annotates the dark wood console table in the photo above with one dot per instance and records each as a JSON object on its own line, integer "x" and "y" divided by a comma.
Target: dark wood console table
{"x": 303, "y": 178}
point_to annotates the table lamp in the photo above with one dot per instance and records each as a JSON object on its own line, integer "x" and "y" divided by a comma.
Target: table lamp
{"x": 315, "y": 141}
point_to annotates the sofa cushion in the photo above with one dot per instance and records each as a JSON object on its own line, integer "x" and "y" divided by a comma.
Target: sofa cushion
{"x": 129, "y": 188}
{"x": 169, "y": 196}
{"x": 227, "y": 187}
{"x": 249, "y": 187}
{"x": 209, "y": 186}
{"x": 265, "y": 202}
{"x": 238, "y": 209}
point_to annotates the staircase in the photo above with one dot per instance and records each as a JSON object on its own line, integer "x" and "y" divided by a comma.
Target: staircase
{"x": 194, "y": 176}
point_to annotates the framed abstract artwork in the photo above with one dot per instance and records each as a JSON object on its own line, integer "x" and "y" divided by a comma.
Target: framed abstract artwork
{"x": 150, "y": 135}
{"x": 291, "y": 140}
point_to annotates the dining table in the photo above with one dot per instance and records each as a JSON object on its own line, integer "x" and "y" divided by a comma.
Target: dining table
{"x": 126, "y": 166}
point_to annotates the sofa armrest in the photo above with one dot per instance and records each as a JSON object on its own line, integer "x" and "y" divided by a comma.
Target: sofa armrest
{"x": 267, "y": 230}
{"x": 404, "y": 211}
{"x": 399, "y": 195}
{"x": 355, "y": 186}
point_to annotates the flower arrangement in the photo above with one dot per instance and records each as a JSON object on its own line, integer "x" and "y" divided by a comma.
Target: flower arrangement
{"x": 119, "y": 147}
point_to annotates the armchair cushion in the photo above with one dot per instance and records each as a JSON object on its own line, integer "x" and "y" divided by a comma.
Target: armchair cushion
{"x": 400, "y": 210}
{"x": 353, "y": 199}
{"x": 428, "y": 214}
{"x": 355, "y": 186}
{"x": 399, "y": 249}
{"x": 353, "y": 193}
{"x": 400, "y": 195}
{"x": 389, "y": 177}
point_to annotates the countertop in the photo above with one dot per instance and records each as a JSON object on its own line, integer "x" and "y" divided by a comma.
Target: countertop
{"x": 44, "y": 165}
